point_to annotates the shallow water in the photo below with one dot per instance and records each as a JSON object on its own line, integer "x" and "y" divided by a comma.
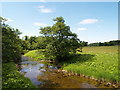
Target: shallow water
{"x": 45, "y": 75}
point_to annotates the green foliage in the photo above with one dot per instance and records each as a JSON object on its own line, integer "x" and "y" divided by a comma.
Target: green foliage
{"x": 33, "y": 43}
{"x": 12, "y": 78}
{"x": 2, "y": 19}
{"x": 110, "y": 43}
{"x": 41, "y": 42}
{"x": 59, "y": 39}
{"x": 99, "y": 62}
{"x": 83, "y": 43}
{"x": 11, "y": 48}
{"x": 11, "y": 51}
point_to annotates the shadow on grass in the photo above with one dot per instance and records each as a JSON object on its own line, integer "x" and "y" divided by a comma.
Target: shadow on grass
{"x": 74, "y": 58}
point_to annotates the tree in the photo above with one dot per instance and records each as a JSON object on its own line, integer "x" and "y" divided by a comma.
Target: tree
{"x": 109, "y": 43}
{"x": 41, "y": 43}
{"x": 60, "y": 40}
{"x": 11, "y": 49}
{"x": 25, "y": 45}
{"x": 26, "y": 38}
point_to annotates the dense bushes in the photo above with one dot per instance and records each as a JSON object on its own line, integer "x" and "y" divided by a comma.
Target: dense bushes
{"x": 12, "y": 77}
{"x": 33, "y": 43}
{"x": 11, "y": 49}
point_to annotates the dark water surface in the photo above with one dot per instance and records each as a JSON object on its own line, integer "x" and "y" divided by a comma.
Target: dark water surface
{"x": 45, "y": 75}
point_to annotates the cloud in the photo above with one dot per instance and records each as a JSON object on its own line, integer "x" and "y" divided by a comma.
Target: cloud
{"x": 39, "y": 24}
{"x": 46, "y": 10}
{"x": 88, "y": 21}
{"x": 41, "y": 0}
{"x": 81, "y": 29}
{"x": 41, "y": 6}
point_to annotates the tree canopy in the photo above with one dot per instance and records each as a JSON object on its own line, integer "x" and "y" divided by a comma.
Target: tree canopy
{"x": 60, "y": 40}
{"x": 11, "y": 49}
{"x": 110, "y": 43}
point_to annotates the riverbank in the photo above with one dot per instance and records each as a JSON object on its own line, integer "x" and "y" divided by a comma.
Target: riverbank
{"x": 12, "y": 78}
{"x": 38, "y": 55}
{"x": 97, "y": 62}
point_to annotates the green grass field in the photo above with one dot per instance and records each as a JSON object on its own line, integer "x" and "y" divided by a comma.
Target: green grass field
{"x": 35, "y": 54}
{"x": 38, "y": 55}
{"x": 98, "y": 62}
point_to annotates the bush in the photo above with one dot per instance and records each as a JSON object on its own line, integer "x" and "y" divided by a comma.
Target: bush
{"x": 12, "y": 78}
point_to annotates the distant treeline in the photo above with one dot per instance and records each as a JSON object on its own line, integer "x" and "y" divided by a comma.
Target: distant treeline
{"x": 110, "y": 43}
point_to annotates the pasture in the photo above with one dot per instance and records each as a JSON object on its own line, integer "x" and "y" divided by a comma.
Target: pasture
{"x": 99, "y": 62}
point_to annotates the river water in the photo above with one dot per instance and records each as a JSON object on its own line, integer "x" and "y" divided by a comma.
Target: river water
{"x": 46, "y": 75}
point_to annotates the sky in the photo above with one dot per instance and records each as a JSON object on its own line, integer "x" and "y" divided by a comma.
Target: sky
{"x": 91, "y": 21}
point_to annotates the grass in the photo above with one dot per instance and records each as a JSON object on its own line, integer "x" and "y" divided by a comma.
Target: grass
{"x": 12, "y": 78}
{"x": 38, "y": 55}
{"x": 99, "y": 62}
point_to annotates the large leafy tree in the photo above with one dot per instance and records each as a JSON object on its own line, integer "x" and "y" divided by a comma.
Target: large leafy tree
{"x": 60, "y": 40}
{"x": 11, "y": 49}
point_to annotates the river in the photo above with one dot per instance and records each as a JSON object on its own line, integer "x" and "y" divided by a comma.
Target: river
{"x": 46, "y": 75}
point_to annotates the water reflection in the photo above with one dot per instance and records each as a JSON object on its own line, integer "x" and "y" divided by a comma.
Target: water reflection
{"x": 45, "y": 75}
{"x": 33, "y": 69}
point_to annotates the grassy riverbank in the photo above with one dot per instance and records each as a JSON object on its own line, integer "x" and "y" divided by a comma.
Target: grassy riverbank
{"x": 98, "y": 62}
{"x": 12, "y": 78}
{"x": 38, "y": 55}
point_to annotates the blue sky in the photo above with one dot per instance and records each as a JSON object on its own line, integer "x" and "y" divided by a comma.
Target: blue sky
{"x": 91, "y": 21}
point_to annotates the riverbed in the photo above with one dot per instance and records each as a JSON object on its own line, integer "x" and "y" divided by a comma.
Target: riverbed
{"x": 46, "y": 75}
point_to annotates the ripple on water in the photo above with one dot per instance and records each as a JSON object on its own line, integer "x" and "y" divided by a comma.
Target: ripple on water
{"x": 45, "y": 76}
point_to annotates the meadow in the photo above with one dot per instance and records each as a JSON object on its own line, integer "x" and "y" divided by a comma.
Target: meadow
{"x": 100, "y": 62}
{"x": 38, "y": 55}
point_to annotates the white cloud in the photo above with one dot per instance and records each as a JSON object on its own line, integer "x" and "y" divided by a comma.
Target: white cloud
{"x": 41, "y": 0}
{"x": 46, "y": 10}
{"x": 88, "y": 21}
{"x": 81, "y": 29}
{"x": 39, "y": 24}
{"x": 41, "y": 6}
